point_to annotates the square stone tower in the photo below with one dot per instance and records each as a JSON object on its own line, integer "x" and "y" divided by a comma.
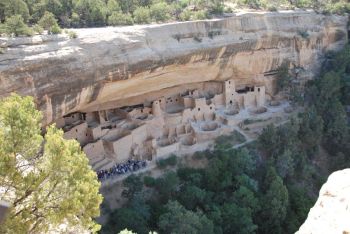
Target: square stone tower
{"x": 260, "y": 95}
{"x": 229, "y": 93}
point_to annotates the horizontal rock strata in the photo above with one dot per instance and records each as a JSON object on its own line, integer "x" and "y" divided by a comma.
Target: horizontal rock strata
{"x": 119, "y": 66}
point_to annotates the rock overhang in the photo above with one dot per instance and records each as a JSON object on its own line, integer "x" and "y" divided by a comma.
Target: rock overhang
{"x": 125, "y": 65}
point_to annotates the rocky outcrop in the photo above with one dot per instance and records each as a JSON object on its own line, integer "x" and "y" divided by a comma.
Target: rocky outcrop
{"x": 118, "y": 66}
{"x": 331, "y": 213}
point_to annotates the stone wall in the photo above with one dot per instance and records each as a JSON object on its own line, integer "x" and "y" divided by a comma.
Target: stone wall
{"x": 153, "y": 131}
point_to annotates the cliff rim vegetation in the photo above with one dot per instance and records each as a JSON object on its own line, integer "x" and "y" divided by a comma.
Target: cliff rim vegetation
{"x": 23, "y": 17}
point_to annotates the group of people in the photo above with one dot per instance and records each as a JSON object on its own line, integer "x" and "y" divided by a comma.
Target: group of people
{"x": 120, "y": 169}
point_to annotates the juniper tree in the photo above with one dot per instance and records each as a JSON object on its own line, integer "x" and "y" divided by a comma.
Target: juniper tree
{"x": 47, "y": 179}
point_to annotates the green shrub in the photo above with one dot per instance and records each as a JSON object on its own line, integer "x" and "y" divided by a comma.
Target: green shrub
{"x": 303, "y": 3}
{"x": 142, "y": 15}
{"x": 161, "y": 163}
{"x": 250, "y": 121}
{"x": 75, "y": 20}
{"x": 184, "y": 3}
{"x": 49, "y": 23}
{"x": 200, "y": 15}
{"x": 133, "y": 185}
{"x": 15, "y": 25}
{"x": 47, "y": 20}
{"x": 55, "y": 29}
{"x": 338, "y": 8}
{"x": 149, "y": 181}
{"x": 172, "y": 160}
{"x": 118, "y": 18}
{"x": 175, "y": 9}
{"x": 228, "y": 10}
{"x": 38, "y": 29}
{"x": 113, "y": 6}
{"x": 272, "y": 8}
{"x": 228, "y": 141}
{"x": 2, "y": 28}
{"x": 185, "y": 15}
{"x": 160, "y": 12}
{"x": 255, "y": 4}
{"x": 198, "y": 156}
{"x": 72, "y": 34}
{"x": 10, "y": 8}
{"x": 283, "y": 76}
{"x": 217, "y": 8}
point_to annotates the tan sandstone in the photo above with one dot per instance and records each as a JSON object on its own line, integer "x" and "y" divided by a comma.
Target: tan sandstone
{"x": 112, "y": 67}
{"x": 331, "y": 212}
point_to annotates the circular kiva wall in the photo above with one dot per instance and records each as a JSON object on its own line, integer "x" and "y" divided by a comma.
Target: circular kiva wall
{"x": 231, "y": 112}
{"x": 209, "y": 126}
{"x": 188, "y": 140}
{"x": 260, "y": 110}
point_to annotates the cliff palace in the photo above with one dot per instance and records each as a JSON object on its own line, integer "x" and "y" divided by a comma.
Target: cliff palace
{"x": 146, "y": 91}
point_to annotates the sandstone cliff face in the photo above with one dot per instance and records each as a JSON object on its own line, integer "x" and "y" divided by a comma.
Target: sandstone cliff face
{"x": 331, "y": 213}
{"x": 113, "y": 67}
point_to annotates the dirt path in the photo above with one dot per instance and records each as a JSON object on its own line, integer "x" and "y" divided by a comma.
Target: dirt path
{"x": 153, "y": 165}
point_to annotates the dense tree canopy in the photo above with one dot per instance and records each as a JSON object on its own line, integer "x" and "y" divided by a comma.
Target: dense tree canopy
{"x": 14, "y": 25}
{"x": 274, "y": 203}
{"x": 47, "y": 180}
{"x": 177, "y": 220}
{"x": 329, "y": 95}
{"x": 234, "y": 194}
{"x": 49, "y": 23}
{"x": 92, "y": 13}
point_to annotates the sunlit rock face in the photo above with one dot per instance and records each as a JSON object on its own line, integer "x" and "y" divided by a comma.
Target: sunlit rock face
{"x": 331, "y": 213}
{"x": 119, "y": 66}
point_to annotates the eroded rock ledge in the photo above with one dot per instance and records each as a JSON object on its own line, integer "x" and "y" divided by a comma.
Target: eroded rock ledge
{"x": 331, "y": 213}
{"x": 168, "y": 124}
{"x": 114, "y": 67}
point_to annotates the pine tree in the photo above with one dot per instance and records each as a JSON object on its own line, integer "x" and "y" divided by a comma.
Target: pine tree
{"x": 47, "y": 180}
{"x": 15, "y": 25}
{"x": 49, "y": 22}
{"x": 274, "y": 204}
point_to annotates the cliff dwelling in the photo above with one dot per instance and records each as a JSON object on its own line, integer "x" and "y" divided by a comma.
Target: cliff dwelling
{"x": 174, "y": 116}
{"x": 164, "y": 125}
{"x": 144, "y": 92}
